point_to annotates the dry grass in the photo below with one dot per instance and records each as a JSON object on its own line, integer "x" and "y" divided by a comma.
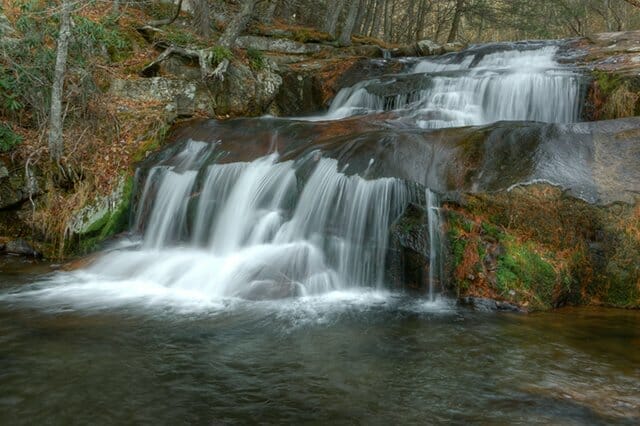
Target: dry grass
{"x": 622, "y": 102}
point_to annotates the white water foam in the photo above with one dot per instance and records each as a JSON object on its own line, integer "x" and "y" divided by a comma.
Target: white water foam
{"x": 262, "y": 232}
{"x": 506, "y": 85}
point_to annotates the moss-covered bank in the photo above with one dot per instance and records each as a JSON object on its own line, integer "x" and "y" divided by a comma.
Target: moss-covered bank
{"x": 538, "y": 248}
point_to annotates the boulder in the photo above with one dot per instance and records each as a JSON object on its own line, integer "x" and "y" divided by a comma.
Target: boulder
{"x": 429, "y": 48}
{"x": 20, "y": 247}
{"x": 408, "y": 258}
{"x": 484, "y": 304}
{"x": 404, "y": 51}
{"x": 244, "y": 91}
{"x": 309, "y": 87}
{"x": 15, "y": 186}
{"x": 181, "y": 97}
{"x": 456, "y": 46}
{"x": 281, "y": 45}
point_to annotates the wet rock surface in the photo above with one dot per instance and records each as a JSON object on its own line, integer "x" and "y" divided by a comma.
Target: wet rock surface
{"x": 596, "y": 162}
{"x": 408, "y": 259}
{"x": 538, "y": 215}
{"x": 19, "y": 247}
{"x": 489, "y": 305}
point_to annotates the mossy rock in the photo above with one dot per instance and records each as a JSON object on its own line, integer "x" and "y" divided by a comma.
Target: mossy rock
{"x": 112, "y": 222}
{"x": 613, "y": 96}
{"x": 538, "y": 248}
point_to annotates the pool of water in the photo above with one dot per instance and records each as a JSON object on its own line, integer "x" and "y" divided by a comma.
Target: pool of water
{"x": 344, "y": 357}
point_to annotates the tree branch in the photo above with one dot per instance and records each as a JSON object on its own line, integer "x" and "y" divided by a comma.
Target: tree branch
{"x": 203, "y": 56}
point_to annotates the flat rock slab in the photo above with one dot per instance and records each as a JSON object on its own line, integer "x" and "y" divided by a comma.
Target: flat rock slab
{"x": 280, "y": 45}
{"x": 598, "y": 162}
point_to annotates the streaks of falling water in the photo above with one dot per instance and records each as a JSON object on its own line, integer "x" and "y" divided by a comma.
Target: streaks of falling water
{"x": 436, "y": 251}
{"x": 259, "y": 230}
{"x": 506, "y": 85}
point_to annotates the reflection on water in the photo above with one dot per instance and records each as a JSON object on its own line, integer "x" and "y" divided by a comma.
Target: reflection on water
{"x": 364, "y": 357}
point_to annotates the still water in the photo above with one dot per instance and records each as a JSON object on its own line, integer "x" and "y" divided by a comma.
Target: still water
{"x": 342, "y": 358}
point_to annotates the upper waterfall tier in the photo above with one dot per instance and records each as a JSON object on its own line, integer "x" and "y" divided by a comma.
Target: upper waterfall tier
{"x": 507, "y": 82}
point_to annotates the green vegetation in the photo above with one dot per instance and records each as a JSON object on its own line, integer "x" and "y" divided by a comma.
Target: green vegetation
{"x": 457, "y": 243}
{"x": 153, "y": 141}
{"x": 182, "y": 37}
{"x": 8, "y": 139}
{"x": 522, "y": 249}
{"x": 221, "y": 53}
{"x": 523, "y": 271}
{"x": 614, "y": 96}
{"x": 256, "y": 59}
{"x": 91, "y": 36}
{"x": 111, "y": 223}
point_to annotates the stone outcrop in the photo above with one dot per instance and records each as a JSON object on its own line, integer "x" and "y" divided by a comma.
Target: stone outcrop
{"x": 281, "y": 45}
{"x": 242, "y": 92}
{"x": 613, "y": 60}
{"x": 538, "y": 215}
{"x": 429, "y": 47}
{"x": 17, "y": 184}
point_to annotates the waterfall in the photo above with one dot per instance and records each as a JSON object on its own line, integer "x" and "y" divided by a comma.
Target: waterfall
{"x": 472, "y": 89}
{"x": 436, "y": 269}
{"x": 260, "y": 229}
{"x": 219, "y": 221}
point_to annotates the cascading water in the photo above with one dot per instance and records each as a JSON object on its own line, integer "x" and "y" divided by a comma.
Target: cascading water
{"x": 275, "y": 227}
{"x": 256, "y": 230}
{"x": 472, "y": 89}
{"x": 436, "y": 251}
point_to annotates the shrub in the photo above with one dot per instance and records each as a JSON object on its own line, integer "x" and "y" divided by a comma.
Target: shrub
{"x": 256, "y": 59}
{"x": 8, "y": 139}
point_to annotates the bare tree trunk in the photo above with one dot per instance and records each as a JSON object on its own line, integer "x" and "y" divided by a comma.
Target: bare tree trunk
{"x": 377, "y": 10}
{"x": 422, "y": 13}
{"x": 388, "y": 21}
{"x": 368, "y": 16}
{"x": 362, "y": 13}
{"x": 607, "y": 15}
{"x": 347, "y": 28}
{"x": 333, "y": 15}
{"x": 56, "y": 143}
{"x": 455, "y": 24}
{"x": 202, "y": 17}
{"x": 115, "y": 9}
{"x": 237, "y": 24}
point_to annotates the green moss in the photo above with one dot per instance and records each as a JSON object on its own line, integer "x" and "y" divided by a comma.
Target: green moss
{"x": 111, "y": 223}
{"x": 525, "y": 272}
{"x": 623, "y": 283}
{"x": 607, "y": 82}
{"x": 619, "y": 96}
{"x": 492, "y": 230}
{"x": 220, "y": 53}
{"x": 155, "y": 139}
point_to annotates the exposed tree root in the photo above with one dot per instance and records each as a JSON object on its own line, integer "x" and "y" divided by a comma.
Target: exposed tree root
{"x": 203, "y": 56}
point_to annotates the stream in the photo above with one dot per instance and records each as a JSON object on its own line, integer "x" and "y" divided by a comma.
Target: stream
{"x": 253, "y": 285}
